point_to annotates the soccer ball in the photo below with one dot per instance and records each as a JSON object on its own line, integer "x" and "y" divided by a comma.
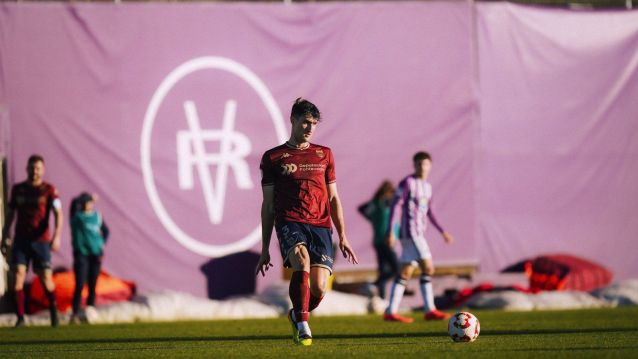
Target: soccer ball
{"x": 463, "y": 327}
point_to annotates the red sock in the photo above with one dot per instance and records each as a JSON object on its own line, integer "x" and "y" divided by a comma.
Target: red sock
{"x": 299, "y": 292}
{"x": 314, "y": 302}
{"x": 20, "y": 303}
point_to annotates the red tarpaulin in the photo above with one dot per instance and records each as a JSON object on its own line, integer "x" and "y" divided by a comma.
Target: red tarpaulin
{"x": 109, "y": 289}
{"x": 565, "y": 272}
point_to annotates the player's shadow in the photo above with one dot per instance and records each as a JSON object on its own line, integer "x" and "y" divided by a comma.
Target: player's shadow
{"x": 231, "y": 275}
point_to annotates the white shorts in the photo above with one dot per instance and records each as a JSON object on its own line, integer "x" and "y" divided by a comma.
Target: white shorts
{"x": 414, "y": 250}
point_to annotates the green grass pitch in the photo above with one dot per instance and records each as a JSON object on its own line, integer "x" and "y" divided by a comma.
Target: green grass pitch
{"x": 596, "y": 333}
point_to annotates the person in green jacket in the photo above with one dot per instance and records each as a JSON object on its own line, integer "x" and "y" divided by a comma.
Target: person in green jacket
{"x": 377, "y": 211}
{"x": 89, "y": 234}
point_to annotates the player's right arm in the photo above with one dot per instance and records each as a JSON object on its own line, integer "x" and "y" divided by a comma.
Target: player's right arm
{"x": 5, "y": 231}
{"x": 267, "y": 224}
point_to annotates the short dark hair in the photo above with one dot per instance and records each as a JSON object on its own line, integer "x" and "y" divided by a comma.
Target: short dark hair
{"x": 420, "y": 156}
{"x": 303, "y": 108}
{"x": 78, "y": 204}
{"x": 35, "y": 158}
{"x": 386, "y": 186}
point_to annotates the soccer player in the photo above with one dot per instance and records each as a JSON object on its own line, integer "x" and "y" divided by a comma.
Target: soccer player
{"x": 32, "y": 201}
{"x": 301, "y": 202}
{"x": 414, "y": 200}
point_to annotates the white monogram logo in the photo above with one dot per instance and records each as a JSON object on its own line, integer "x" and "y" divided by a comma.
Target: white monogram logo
{"x": 191, "y": 152}
{"x": 289, "y": 168}
{"x": 193, "y": 157}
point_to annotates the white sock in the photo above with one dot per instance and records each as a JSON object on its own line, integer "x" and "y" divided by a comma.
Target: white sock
{"x": 398, "y": 288}
{"x": 427, "y": 293}
{"x": 304, "y": 328}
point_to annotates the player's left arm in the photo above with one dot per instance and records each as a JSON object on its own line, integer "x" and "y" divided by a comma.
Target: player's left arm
{"x": 59, "y": 219}
{"x": 336, "y": 213}
{"x": 446, "y": 236}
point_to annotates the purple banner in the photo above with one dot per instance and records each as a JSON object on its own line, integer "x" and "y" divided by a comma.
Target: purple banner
{"x": 165, "y": 110}
{"x": 558, "y": 146}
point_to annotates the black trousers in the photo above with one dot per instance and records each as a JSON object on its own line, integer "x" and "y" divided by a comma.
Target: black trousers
{"x": 87, "y": 269}
{"x": 388, "y": 266}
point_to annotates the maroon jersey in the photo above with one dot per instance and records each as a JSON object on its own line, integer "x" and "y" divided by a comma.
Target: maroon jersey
{"x": 301, "y": 179}
{"x": 32, "y": 206}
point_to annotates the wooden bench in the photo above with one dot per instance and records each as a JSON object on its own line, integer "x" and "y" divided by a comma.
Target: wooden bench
{"x": 369, "y": 275}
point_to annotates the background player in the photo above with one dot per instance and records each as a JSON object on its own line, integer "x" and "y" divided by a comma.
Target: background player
{"x": 414, "y": 200}
{"x": 299, "y": 199}
{"x": 32, "y": 201}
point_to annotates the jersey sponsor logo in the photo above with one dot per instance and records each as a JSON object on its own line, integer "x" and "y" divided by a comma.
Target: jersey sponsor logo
{"x": 288, "y": 168}
{"x": 214, "y": 156}
{"x": 312, "y": 167}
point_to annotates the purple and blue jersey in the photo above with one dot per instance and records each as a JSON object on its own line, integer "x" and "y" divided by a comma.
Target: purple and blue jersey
{"x": 412, "y": 204}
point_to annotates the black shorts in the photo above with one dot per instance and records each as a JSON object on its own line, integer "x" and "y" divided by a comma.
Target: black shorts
{"x": 25, "y": 252}
{"x": 318, "y": 242}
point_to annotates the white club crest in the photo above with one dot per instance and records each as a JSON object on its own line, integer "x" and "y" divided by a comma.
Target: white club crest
{"x": 194, "y": 160}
